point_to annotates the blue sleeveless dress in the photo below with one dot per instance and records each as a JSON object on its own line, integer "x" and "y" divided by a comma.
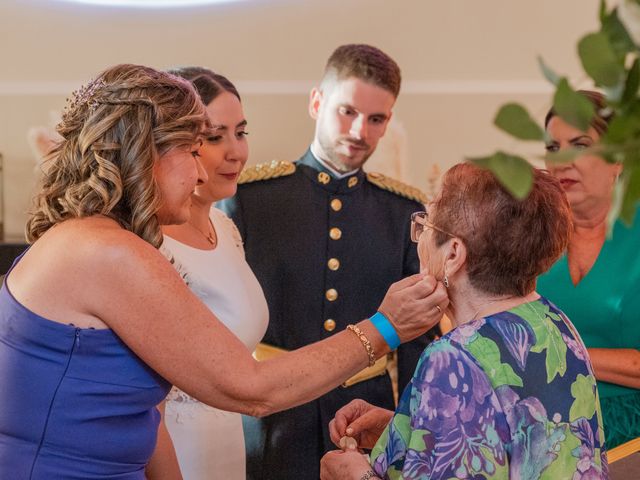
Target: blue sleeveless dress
{"x": 74, "y": 403}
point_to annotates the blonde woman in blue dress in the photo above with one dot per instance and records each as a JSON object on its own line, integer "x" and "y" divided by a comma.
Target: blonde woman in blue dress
{"x": 207, "y": 252}
{"x": 90, "y": 343}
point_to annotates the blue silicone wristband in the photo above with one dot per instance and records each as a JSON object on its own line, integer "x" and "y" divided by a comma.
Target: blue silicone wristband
{"x": 384, "y": 327}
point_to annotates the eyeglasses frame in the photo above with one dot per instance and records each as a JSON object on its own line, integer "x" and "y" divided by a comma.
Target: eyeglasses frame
{"x": 421, "y": 218}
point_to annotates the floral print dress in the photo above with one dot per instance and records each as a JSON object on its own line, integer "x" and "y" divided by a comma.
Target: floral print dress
{"x": 512, "y": 395}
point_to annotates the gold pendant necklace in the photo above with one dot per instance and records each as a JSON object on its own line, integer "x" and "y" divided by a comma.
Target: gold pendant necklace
{"x": 210, "y": 236}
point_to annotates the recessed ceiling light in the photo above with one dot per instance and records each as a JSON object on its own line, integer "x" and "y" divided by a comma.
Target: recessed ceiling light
{"x": 150, "y": 3}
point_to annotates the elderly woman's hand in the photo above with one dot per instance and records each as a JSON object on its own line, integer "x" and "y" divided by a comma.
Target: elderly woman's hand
{"x": 360, "y": 420}
{"x": 339, "y": 465}
{"x": 414, "y": 305}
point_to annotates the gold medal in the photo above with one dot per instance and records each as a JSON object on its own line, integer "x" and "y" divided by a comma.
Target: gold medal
{"x": 348, "y": 443}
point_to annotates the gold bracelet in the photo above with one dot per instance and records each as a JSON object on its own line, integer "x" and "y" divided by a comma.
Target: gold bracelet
{"x": 365, "y": 341}
{"x": 369, "y": 475}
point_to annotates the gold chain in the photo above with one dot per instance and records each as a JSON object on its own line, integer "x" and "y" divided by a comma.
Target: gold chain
{"x": 495, "y": 300}
{"x": 211, "y": 236}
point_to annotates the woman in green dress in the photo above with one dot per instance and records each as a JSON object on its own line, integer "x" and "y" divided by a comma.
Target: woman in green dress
{"x": 597, "y": 282}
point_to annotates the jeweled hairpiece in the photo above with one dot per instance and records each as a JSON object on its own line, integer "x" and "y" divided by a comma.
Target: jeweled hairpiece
{"x": 85, "y": 95}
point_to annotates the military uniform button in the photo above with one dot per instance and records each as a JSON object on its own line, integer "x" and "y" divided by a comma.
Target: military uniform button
{"x": 329, "y": 325}
{"x": 324, "y": 178}
{"x": 335, "y": 233}
{"x": 353, "y": 181}
{"x": 333, "y": 264}
{"x": 336, "y": 205}
{"x": 331, "y": 294}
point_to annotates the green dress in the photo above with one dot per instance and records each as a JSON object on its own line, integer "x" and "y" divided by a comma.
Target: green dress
{"x": 605, "y": 308}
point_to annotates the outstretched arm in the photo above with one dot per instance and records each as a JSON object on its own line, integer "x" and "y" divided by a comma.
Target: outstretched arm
{"x": 616, "y": 365}
{"x": 161, "y": 320}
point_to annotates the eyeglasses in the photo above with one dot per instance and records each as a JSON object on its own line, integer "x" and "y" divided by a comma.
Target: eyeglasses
{"x": 420, "y": 220}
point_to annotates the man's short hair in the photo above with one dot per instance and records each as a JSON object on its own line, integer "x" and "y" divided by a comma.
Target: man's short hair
{"x": 366, "y": 63}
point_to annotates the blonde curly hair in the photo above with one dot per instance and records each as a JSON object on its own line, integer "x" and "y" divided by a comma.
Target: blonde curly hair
{"x": 113, "y": 131}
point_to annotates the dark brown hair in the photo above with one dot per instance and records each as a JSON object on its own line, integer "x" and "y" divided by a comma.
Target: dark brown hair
{"x": 602, "y": 113}
{"x": 509, "y": 242}
{"x": 208, "y": 84}
{"x": 365, "y": 63}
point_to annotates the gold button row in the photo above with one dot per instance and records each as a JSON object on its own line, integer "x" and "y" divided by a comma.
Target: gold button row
{"x": 333, "y": 263}
{"x": 331, "y": 294}
{"x": 329, "y": 325}
{"x": 324, "y": 178}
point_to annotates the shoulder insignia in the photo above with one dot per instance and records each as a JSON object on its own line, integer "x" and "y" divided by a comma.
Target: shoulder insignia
{"x": 397, "y": 187}
{"x": 266, "y": 171}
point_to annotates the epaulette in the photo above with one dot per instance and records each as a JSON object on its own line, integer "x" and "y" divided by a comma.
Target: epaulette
{"x": 397, "y": 187}
{"x": 266, "y": 171}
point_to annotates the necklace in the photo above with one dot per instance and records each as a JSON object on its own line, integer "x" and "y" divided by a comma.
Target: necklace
{"x": 210, "y": 236}
{"x": 482, "y": 305}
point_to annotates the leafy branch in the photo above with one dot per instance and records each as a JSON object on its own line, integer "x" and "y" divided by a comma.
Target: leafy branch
{"x": 611, "y": 58}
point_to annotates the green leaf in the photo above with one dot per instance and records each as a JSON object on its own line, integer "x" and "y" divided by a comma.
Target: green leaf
{"x": 514, "y": 173}
{"x": 565, "y": 461}
{"x": 631, "y": 196}
{"x": 497, "y": 469}
{"x": 562, "y": 156}
{"x": 614, "y": 94}
{"x": 610, "y": 153}
{"x": 583, "y": 390}
{"x": 624, "y": 127}
{"x": 548, "y": 336}
{"x": 602, "y": 11}
{"x": 616, "y": 206}
{"x": 632, "y": 83}
{"x": 549, "y": 74}
{"x": 515, "y": 120}
{"x": 617, "y": 34}
{"x": 402, "y": 424}
{"x": 380, "y": 446}
{"x": 487, "y": 354}
{"x": 600, "y": 61}
{"x": 572, "y": 107}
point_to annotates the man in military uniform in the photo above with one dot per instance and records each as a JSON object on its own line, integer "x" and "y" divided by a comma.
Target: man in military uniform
{"x": 326, "y": 240}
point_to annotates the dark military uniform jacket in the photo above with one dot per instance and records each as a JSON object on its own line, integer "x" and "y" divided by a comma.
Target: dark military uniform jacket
{"x": 325, "y": 251}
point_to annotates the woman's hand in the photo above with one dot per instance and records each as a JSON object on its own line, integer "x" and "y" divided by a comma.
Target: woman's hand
{"x": 339, "y": 465}
{"x": 360, "y": 420}
{"x": 414, "y": 305}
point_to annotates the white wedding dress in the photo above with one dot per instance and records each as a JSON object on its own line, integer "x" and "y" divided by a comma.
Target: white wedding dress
{"x": 209, "y": 442}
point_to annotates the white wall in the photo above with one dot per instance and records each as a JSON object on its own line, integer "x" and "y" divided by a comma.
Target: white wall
{"x": 460, "y": 60}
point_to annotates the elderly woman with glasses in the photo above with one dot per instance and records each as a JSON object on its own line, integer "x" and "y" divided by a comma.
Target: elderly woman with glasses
{"x": 510, "y": 391}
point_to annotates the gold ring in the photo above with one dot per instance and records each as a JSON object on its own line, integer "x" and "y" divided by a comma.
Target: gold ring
{"x": 439, "y": 309}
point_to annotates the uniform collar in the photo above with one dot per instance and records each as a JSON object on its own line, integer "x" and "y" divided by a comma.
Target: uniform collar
{"x": 325, "y": 178}
{"x": 332, "y": 171}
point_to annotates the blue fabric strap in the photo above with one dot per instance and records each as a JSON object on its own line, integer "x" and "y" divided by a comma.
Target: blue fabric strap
{"x": 384, "y": 327}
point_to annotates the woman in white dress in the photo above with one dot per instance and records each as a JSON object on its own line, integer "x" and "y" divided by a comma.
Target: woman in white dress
{"x": 208, "y": 253}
